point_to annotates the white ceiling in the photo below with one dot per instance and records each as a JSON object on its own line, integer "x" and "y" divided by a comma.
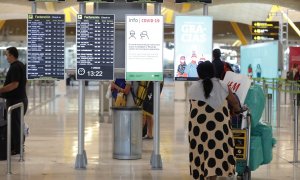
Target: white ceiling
{"x": 243, "y": 11}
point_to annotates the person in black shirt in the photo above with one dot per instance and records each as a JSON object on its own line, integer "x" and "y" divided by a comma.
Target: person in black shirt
{"x": 218, "y": 64}
{"x": 14, "y": 91}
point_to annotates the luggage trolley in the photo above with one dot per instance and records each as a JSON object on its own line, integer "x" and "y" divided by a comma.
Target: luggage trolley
{"x": 241, "y": 134}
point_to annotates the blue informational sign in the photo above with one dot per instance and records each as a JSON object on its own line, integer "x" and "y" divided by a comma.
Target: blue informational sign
{"x": 46, "y": 43}
{"x": 193, "y": 45}
{"x": 261, "y": 60}
{"x": 95, "y": 47}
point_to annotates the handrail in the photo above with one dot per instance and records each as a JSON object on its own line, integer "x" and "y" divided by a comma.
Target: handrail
{"x": 10, "y": 108}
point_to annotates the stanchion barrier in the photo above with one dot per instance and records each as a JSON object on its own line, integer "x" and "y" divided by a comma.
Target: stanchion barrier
{"x": 10, "y": 108}
{"x": 295, "y": 130}
{"x": 285, "y": 92}
{"x": 269, "y": 112}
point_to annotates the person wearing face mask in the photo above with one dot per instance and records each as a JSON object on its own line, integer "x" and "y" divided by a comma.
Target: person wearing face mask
{"x": 181, "y": 67}
{"x": 191, "y": 68}
{"x": 14, "y": 91}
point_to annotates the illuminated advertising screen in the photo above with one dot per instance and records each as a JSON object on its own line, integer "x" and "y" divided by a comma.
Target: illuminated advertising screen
{"x": 193, "y": 45}
{"x": 261, "y": 60}
{"x": 46, "y": 43}
{"x": 144, "y": 48}
{"x": 95, "y": 39}
{"x": 294, "y": 57}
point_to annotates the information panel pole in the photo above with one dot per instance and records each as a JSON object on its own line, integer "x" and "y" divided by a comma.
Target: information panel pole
{"x": 205, "y": 9}
{"x": 33, "y": 10}
{"x": 81, "y": 158}
{"x": 156, "y": 161}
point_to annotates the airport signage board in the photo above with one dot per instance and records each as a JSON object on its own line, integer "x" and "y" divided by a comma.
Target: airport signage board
{"x": 264, "y": 37}
{"x": 193, "y": 45}
{"x": 265, "y": 30}
{"x": 144, "y": 1}
{"x": 95, "y": 36}
{"x": 99, "y": 1}
{"x": 144, "y": 48}
{"x": 193, "y": 1}
{"x": 46, "y": 43}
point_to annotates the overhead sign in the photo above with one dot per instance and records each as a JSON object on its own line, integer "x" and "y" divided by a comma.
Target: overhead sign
{"x": 265, "y": 30}
{"x": 46, "y": 43}
{"x": 265, "y": 24}
{"x": 144, "y": 1}
{"x": 264, "y": 37}
{"x": 188, "y": 1}
{"x": 193, "y": 45}
{"x": 100, "y": 1}
{"x": 95, "y": 46}
{"x": 144, "y": 48}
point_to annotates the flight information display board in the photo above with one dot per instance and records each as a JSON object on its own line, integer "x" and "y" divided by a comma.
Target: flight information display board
{"x": 100, "y": 1}
{"x": 95, "y": 47}
{"x": 46, "y": 43}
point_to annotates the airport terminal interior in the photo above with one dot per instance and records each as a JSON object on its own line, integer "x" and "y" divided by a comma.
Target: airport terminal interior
{"x": 53, "y": 112}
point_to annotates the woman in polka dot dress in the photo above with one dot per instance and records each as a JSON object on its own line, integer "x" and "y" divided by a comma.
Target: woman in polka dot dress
{"x": 210, "y": 136}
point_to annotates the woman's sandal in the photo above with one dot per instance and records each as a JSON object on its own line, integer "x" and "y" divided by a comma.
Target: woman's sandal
{"x": 147, "y": 137}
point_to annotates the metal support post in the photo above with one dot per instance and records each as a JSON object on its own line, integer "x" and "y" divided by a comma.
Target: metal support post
{"x": 156, "y": 162}
{"x": 34, "y": 92}
{"x": 278, "y": 104}
{"x": 273, "y": 87}
{"x": 266, "y": 111}
{"x": 8, "y": 147}
{"x": 295, "y": 130}
{"x": 205, "y": 9}
{"x": 33, "y": 7}
{"x": 285, "y": 89}
{"x": 40, "y": 93}
{"x": 101, "y": 102}
{"x": 81, "y": 158}
{"x": 269, "y": 112}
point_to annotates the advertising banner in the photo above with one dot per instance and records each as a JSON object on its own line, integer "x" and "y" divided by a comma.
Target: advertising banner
{"x": 294, "y": 57}
{"x": 193, "y": 45}
{"x": 261, "y": 60}
{"x": 144, "y": 48}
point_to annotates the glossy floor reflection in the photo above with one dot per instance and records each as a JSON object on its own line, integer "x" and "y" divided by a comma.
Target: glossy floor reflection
{"x": 51, "y": 148}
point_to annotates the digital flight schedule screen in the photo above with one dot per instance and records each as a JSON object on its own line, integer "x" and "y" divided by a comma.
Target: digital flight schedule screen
{"x": 46, "y": 43}
{"x": 95, "y": 47}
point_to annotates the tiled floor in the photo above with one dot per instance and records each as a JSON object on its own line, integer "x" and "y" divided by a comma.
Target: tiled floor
{"x": 51, "y": 148}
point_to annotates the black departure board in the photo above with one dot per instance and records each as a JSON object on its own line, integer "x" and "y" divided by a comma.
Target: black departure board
{"x": 47, "y": 0}
{"x": 46, "y": 43}
{"x": 100, "y": 1}
{"x": 95, "y": 46}
{"x": 144, "y": 1}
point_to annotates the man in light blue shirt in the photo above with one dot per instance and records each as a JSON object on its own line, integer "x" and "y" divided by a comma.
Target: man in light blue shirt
{"x": 191, "y": 68}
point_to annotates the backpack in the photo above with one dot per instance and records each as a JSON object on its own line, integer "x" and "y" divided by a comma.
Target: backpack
{"x": 141, "y": 92}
